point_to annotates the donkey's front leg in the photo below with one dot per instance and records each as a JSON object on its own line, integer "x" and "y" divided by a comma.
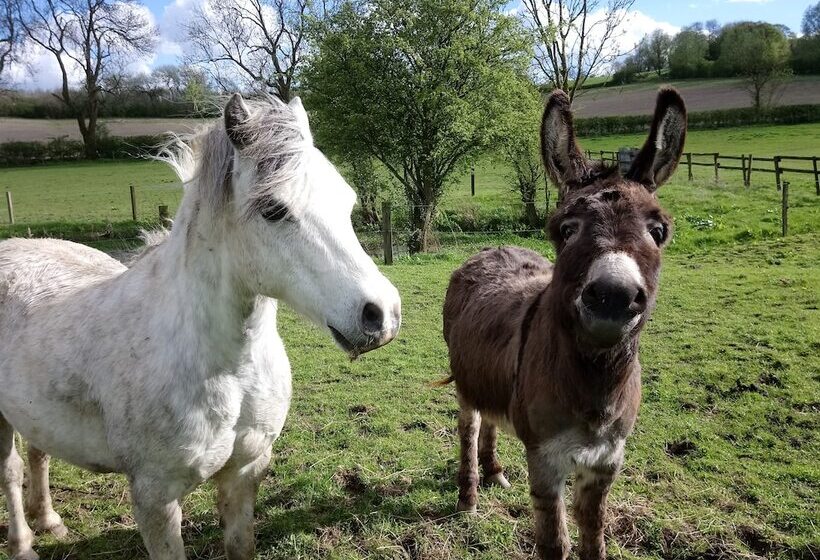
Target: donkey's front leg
{"x": 159, "y": 518}
{"x": 549, "y": 513}
{"x": 237, "y": 488}
{"x": 589, "y": 507}
{"x": 469, "y": 423}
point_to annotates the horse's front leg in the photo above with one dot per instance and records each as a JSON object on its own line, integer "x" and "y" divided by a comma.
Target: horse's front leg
{"x": 589, "y": 507}
{"x": 547, "y": 493}
{"x": 237, "y": 488}
{"x": 159, "y": 517}
{"x": 38, "y": 502}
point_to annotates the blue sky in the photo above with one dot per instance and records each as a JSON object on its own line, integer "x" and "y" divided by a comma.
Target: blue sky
{"x": 668, "y": 15}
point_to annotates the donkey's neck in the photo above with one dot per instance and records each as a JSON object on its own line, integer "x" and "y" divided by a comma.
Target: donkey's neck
{"x": 205, "y": 307}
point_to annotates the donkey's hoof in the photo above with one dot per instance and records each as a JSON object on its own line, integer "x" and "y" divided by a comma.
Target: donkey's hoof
{"x": 53, "y": 524}
{"x": 466, "y": 508}
{"x": 498, "y": 479}
{"x": 58, "y": 531}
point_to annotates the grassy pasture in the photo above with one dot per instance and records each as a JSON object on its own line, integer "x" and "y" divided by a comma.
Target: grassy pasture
{"x": 725, "y": 460}
{"x": 723, "y": 463}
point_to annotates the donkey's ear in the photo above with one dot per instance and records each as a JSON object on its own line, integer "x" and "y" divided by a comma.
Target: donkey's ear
{"x": 565, "y": 163}
{"x": 659, "y": 156}
{"x": 236, "y": 113}
{"x": 301, "y": 118}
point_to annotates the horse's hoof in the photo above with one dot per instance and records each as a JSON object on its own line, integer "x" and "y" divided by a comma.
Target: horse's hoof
{"x": 59, "y": 531}
{"x": 498, "y": 479}
{"x": 466, "y": 508}
{"x": 25, "y": 555}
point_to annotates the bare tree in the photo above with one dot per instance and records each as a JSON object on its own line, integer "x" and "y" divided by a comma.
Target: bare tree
{"x": 256, "y": 43}
{"x": 575, "y": 39}
{"x": 90, "y": 39}
{"x": 9, "y": 35}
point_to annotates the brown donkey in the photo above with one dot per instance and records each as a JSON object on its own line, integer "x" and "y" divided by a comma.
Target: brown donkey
{"x": 550, "y": 352}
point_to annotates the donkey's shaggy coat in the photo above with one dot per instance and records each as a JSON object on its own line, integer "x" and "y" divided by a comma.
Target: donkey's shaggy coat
{"x": 551, "y": 352}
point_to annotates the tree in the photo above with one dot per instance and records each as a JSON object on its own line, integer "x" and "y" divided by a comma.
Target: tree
{"x": 654, "y": 51}
{"x": 9, "y": 35}
{"x": 687, "y": 54}
{"x": 92, "y": 38}
{"x": 759, "y": 52}
{"x": 811, "y": 20}
{"x": 417, "y": 84}
{"x": 519, "y": 143}
{"x": 574, "y": 39}
{"x": 259, "y": 43}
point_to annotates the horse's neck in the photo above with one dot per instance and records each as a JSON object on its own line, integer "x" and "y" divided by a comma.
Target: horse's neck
{"x": 205, "y": 310}
{"x": 591, "y": 381}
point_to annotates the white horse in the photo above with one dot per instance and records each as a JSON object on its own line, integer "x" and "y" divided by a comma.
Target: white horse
{"x": 172, "y": 371}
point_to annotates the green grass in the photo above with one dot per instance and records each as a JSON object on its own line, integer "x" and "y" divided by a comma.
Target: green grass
{"x": 367, "y": 463}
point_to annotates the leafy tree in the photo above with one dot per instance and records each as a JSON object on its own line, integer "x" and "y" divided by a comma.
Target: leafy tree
{"x": 806, "y": 55}
{"x": 811, "y": 20}
{"x": 417, "y": 84}
{"x": 759, "y": 52}
{"x": 653, "y": 51}
{"x": 687, "y": 54}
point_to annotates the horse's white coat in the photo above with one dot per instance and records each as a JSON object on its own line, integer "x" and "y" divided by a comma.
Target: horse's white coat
{"x": 172, "y": 371}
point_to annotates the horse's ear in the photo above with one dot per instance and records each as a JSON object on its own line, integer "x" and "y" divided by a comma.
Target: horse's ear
{"x": 565, "y": 163}
{"x": 301, "y": 118}
{"x": 236, "y": 113}
{"x": 659, "y": 156}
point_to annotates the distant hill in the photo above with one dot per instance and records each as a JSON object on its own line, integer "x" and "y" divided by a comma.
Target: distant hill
{"x": 700, "y": 95}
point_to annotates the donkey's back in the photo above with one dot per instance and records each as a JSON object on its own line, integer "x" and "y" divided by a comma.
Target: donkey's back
{"x": 485, "y": 307}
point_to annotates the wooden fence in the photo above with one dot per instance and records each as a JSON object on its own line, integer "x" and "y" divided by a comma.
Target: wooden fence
{"x": 745, "y": 163}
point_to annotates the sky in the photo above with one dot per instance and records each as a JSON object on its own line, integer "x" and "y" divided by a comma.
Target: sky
{"x": 669, "y": 15}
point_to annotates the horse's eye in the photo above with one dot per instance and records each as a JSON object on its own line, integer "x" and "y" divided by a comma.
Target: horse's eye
{"x": 658, "y": 233}
{"x": 568, "y": 230}
{"x": 274, "y": 211}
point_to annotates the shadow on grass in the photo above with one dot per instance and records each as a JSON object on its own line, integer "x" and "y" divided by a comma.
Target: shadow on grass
{"x": 203, "y": 535}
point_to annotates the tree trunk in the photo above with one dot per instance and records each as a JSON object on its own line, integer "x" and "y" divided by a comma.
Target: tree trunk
{"x": 531, "y": 215}
{"x": 89, "y": 134}
{"x": 421, "y": 222}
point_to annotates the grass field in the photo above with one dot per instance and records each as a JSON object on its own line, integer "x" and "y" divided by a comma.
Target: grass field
{"x": 725, "y": 459}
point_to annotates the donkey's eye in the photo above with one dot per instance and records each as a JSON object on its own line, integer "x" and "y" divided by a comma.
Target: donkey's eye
{"x": 274, "y": 212}
{"x": 568, "y": 230}
{"x": 658, "y": 233}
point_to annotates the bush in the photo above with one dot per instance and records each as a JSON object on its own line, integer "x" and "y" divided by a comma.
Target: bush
{"x": 702, "y": 120}
{"x": 64, "y": 149}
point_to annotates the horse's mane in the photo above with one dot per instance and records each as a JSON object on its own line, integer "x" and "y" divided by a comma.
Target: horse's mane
{"x": 273, "y": 138}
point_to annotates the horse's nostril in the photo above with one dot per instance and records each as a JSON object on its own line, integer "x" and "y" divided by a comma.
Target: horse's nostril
{"x": 372, "y": 318}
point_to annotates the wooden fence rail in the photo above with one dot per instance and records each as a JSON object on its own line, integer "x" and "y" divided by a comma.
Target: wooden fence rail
{"x": 748, "y": 164}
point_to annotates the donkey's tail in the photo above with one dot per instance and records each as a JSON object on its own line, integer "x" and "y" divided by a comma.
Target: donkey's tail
{"x": 443, "y": 382}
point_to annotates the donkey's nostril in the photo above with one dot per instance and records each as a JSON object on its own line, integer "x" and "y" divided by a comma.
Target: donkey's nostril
{"x": 372, "y": 318}
{"x": 613, "y": 300}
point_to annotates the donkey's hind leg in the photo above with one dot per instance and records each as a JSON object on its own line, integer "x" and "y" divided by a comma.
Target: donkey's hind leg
{"x": 38, "y": 501}
{"x": 488, "y": 457}
{"x": 469, "y": 424}
{"x": 20, "y": 537}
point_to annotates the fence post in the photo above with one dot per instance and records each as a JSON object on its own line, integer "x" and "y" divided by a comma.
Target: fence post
{"x": 743, "y": 167}
{"x": 387, "y": 232}
{"x": 749, "y": 171}
{"x": 717, "y": 166}
{"x": 777, "y": 171}
{"x": 785, "y": 216}
{"x": 11, "y": 207}
{"x": 816, "y": 177}
{"x": 472, "y": 180}
{"x": 164, "y": 217}
{"x": 133, "y": 201}
{"x": 689, "y": 164}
